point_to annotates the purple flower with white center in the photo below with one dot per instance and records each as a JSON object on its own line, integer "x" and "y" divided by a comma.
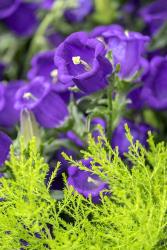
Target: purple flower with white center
{"x": 5, "y": 143}
{"x": 127, "y": 47}
{"x": 23, "y": 21}
{"x": 154, "y": 14}
{"x": 42, "y": 64}
{"x": 85, "y": 182}
{"x": 154, "y": 91}
{"x": 9, "y": 116}
{"x": 138, "y": 131}
{"x": 7, "y": 7}
{"x": 81, "y": 61}
{"x": 78, "y": 13}
{"x": 48, "y": 107}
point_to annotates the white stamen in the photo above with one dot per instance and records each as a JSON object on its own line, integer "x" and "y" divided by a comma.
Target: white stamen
{"x": 54, "y": 75}
{"x": 29, "y": 95}
{"x": 90, "y": 179}
{"x": 77, "y": 60}
{"x": 126, "y": 33}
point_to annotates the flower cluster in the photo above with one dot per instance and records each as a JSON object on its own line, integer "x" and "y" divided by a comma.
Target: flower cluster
{"x": 82, "y": 74}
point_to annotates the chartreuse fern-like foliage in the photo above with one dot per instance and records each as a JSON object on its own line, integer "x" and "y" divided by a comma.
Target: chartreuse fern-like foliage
{"x": 132, "y": 214}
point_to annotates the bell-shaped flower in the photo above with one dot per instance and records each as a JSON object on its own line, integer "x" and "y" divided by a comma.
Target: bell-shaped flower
{"x": 81, "y": 61}
{"x": 7, "y": 7}
{"x": 154, "y": 92}
{"x": 9, "y": 116}
{"x": 85, "y": 182}
{"x": 48, "y": 107}
{"x": 138, "y": 131}
{"x": 127, "y": 47}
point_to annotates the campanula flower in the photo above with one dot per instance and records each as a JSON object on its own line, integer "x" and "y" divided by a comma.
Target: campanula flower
{"x": 81, "y": 61}
{"x": 127, "y": 47}
{"x": 42, "y": 65}
{"x": 154, "y": 15}
{"x": 9, "y": 116}
{"x": 154, "y": 92}
{"x": 138, "y": 131}
{"x": 23, "y": 21}
{"x": 85, "y": 182}
{"x": 48, "y": 107}
{"x": 7, "y": 7}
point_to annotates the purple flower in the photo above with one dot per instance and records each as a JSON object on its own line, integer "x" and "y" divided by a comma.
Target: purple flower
{"x": 42, "y": 64}
{"x": 7, "y": 7}
{"x": 155, "y": 14}
{"x": 9, "y": 116}
{"x": 78, "y": 13}
{"x": 5, "y": 143}
{"x": 138, "y": 131}
{"x": 85, "y": 182}
{"x": 49, "y": 108}
{"x": 82, "y": 61}
{"x": 154, "y": 91}
{"x": 127, "y": 47}
{"x": 23, "y": 20}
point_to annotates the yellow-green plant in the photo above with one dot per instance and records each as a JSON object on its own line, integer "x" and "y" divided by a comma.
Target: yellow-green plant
{"x": 131, "y": 216}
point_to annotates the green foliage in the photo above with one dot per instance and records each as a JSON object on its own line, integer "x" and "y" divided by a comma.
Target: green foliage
{"x": 132, "y": 217}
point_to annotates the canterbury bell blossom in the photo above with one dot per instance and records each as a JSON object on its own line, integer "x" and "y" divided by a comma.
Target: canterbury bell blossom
{"x": 155, "y": 15}
{"x": 5, "y": 143}
{"x": 42, "y": 65}
{"x": 127, "y": 47}
{"x": 9, "y": 116}
{"x": 23, "y": 21}
{"x": 81, "y": 61}
{"x": 154, "y": 92}
{"x": 48, "y": 107}
{"x": 7, "y": 7}
{"x": 138, "y": 131}
{"x": 85, "y": 182}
